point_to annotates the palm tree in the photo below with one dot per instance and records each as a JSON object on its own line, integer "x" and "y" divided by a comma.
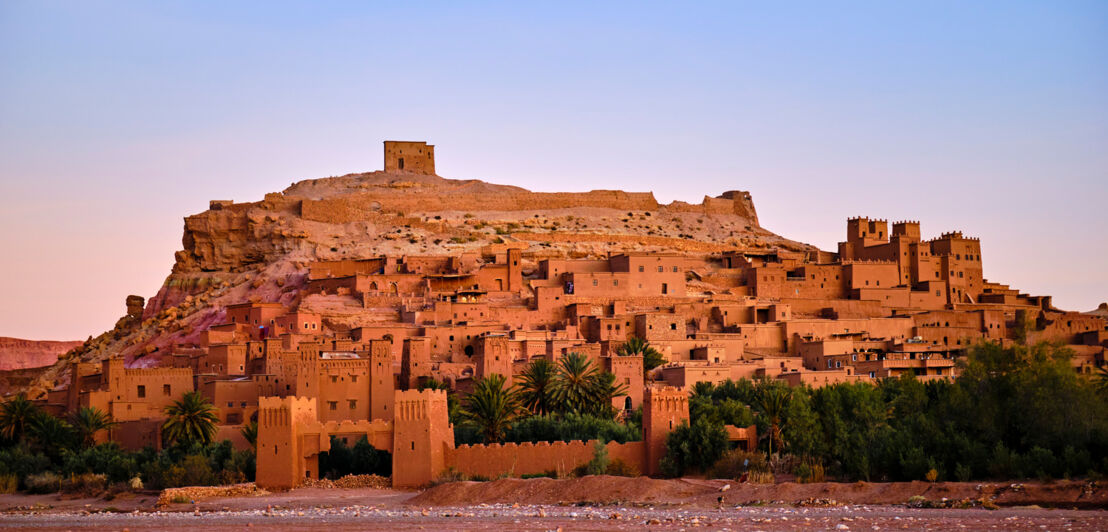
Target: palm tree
{"x": 1102, "y": 379}
{"x": 573, "y": 389}
{"x": 16, "y": 415}
{"x": 604, "y": 390}
{"x": 50, "y": 435}
{"x": 190, "y": 419}
{"x": 250, "y": 432}
{"x": 635, "y": 346}
{"x": 87, "y": 421}
{"x": 772, "y": 400}
{"x": 492, "y": 407}
{"x": 537, "y": 386}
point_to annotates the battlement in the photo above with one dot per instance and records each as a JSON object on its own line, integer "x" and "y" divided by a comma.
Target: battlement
{"x": 866, "y": 219}
{"x": 182, "y": 373}
{"x": 284, "y": 411}
{"x": 347, "y": 426}
{"x": 667, "y": 398}
{"x": 416, "y": 404}
{"x": 955, "y": 235}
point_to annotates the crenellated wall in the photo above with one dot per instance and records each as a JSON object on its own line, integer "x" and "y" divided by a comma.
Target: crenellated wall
{"x": 515, "y": 459}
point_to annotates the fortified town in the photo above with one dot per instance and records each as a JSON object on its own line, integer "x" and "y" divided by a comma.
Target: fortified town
{"x": 319, "y": 312}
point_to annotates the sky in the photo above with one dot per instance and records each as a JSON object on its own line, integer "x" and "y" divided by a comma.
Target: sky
{"x": 118, "y": 119}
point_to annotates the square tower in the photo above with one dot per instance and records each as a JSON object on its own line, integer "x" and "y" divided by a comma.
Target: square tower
{"x": 405, "y": 156}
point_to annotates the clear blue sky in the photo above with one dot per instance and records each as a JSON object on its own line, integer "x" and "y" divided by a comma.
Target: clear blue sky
{"x": 117, "y": 119}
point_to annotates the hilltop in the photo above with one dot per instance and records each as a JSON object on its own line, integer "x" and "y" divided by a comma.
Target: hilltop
{"x": 260, "y": 251}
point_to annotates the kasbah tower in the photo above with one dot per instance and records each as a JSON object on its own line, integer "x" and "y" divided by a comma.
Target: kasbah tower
{"x": 886, "y": 302}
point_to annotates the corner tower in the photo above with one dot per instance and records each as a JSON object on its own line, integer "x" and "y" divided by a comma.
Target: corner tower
{"x": 663, "y": 410}
{"x": 422, "y": 437}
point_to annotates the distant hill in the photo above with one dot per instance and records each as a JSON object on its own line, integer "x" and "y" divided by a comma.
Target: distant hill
{"x": 17, "y": 353}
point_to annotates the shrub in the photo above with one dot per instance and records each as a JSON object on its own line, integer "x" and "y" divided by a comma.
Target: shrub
{"x": 86, "y": 484}
{"x": 136, "y": 483}
{"x": 932, "y": 475}
{"x": 808, "y": 472}
{"x": 599, "y": 463}
{"x": 693, "y": 447}
{"x": 619, "y": 468}
{"x": 761, "y": 477}
{"x": 45, "y": 482}
{"x": 197, "y": 471}
{"x": 963, "y": 473}
{"x": 545, "y": 474}
{"x": 9, "y": 483}
{"x": 735, "y": 462}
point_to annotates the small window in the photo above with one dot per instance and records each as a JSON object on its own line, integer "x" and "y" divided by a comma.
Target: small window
{"x": 141, "y": 391}
{"x": 333, "y": 405}
{"x": 675, "y": 269}
{"x": 642, "y": 269}
{"x": 230, "y": 404}
{"x": 167, "y": 390}
{"x": 353, "y": 404}
{"x": 353, "y": 378}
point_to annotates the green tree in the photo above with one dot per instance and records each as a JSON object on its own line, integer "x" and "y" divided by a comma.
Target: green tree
{"x": 492, "y": 407}
{"x": 16, "y": 415}
{"x": 537, "y": 384}
{"x": 604, "y": 392}
{"x": 250, "y": 433}
{"x": 190, "y": 419}
{"x": 574, "y": 386}
{"x": 651, "y": 358}
{"x": 87, "y": 421}
{"x": 772, "y": 400}
{"x": 50, "y": 435}
{"x": 695, "y": 446}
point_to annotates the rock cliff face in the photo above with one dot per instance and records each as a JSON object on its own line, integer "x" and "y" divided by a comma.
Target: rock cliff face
{"x": 16, "y": 353}
{"x": 259, "y": 251}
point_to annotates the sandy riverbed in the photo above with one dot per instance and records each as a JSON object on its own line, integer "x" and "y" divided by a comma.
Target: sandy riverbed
{"x": 590, "y": 503}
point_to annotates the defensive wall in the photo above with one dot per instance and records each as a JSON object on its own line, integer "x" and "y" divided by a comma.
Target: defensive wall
{"x": 515, "y": 459}
{"x": 421, "y": 440}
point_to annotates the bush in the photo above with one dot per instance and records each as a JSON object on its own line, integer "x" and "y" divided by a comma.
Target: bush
{"x": 571, "y": 427}
{"x": 45, "y": 482}
{"x": 619, "y": 468}
{"x": 544, "y": 474}
{"x": 197, "y": 471}
{"x": 87, "y": 484}
{"x": 808, "y": 472}
{"x": 735, "y": 462}
{"x": 9, "y": 483}
{"x": 694, "y": 447}
{"x": 599, "y": 463}
{"x": 362, "y": 459}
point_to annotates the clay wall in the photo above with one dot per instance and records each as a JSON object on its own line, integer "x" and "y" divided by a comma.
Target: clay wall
{"x": 344, "y": 389}
{"x": 344, "y": 268}
{"x": 235, "y": 400}
{"x": 659, "y": 326}
{"x": 526, "y": 458}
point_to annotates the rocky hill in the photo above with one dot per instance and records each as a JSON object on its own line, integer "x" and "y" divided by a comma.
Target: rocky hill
{"x": 17, "y": 353}
{"x": 260, "y": 251}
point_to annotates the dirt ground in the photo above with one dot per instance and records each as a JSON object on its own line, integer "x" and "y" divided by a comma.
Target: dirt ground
{"x": 589, "y": 503}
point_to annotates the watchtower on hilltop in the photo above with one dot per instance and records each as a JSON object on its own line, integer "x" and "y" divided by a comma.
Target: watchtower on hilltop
{"x": 405, "y": 156}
